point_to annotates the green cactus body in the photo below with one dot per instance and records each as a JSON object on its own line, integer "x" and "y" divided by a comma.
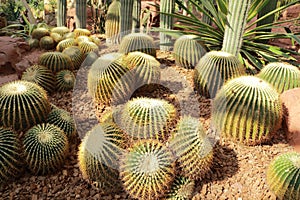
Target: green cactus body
{"x": 282, "y": 76}
{"x": 40, "y": 75}
{"x": 95, "y": 39}
{"x": 166, "y": 22}
{"x": 45, "y": 148}
{"x": 247, "y": 110}
{"x": 75, "y": 54}
{"x": 62, "y": 30}
{"x": 87, "y": 46}
{"x": 33, "y": 43}
{"x": 69, "y": 35}
{"x": 147, "y": 170}
{"x": 146, "y": 118}
{"x": 10, "y": 155}
{"x": 63, "y": 119}
{"x": 81, "y": 32}
{"x": 47, "y": 43}
{"x": 22, "y": 105}
{"x": 56, "y": 61}
{"x": 38, "y": 33}
{"x": 213, "y": 70}
{"x": 188, "y": 51}
{"x": 99, "y": 154}
{"x": 145, "y": 68}
{"x": 192, "y": 148}
{"x": 83, "y": 38}
{"x": 62, "y": 45}
{"x": 126, "y": 10}
{"x": 109, "y": 79}
{"x": 112, "y": 23}
{"x": 283, "y": 176}
{"x": 65, "y": 80}
{"x": 61, "y": 12}
{"x": 136, "y": 14}
{"x": 137, "y": 42}
{"x": 56, "y": 37}
{"x": 181, "y": 189}
{"x": 81, "y": 15}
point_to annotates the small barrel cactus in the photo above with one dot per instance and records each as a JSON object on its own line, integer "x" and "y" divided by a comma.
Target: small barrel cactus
{"x": 283, "y": 176}
{"x": 63, "y": 119}
{"x": 65, "y": 81}
{"x": 65, "y": 43}
{"x": 99, "y": 154}
{"x": 56, "y": 61}
{"x": 248, "y": 110}
{"x": 112, "y": 23}
{"x": 81, "y": 31}
{"x": 83, "y": 38}
{"x": 10, "y": 155}
{"x": 75, "y": 54}
{"x": 213, "y": 70}
{"x": 56, "y": 37}
{"x": 192, "y": 148}
{"x": 87, "y": 46}
{"x": 22, "y": 105}
{"x": 147, "y": 118}
{"x": 62, "y": 30}
{"x": 147, "y": 170}
{"x": 69, "y": 35}
{"x": 282, "y": 76}
{"x": 138, "y": 42}
{"x": 95, "y": 39}
{"x": 181, "y": 189}
{"x": 45, "y": 148}
{"x": 40, "y": 75}
{"x": 38, "y": 33}
{"x": 47, "y": 43}
{"x": 188, "y": 51}
{"x": 33, "y": 43}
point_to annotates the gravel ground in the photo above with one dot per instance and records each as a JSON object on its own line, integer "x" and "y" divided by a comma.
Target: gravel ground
{"x": 238, "y": 171}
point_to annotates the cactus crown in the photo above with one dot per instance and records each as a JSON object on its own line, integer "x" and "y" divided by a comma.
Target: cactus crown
{"x": 62, "y": 30}
{"x": 56, "y": 61}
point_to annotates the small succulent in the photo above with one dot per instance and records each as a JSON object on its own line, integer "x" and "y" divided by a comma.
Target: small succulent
{"x": 45, "y": 148}
{"x": 40, "y": 75}
{"x": 283, "y": 176}
{"x": 87, "y": 46}
{"x": 248, "y": 110}
{"x": 62, "y": 30}
{"x": 181, "y": 189}
{"x": 65, "y": 81}
{"x": 56, "y": 61}
{"x": 137, "y": 42}
{"x": 112, "y": 23}
{"x": 65, "y": 44}
{"x": 192, "y": 148}
{"x": 81, "y": 31}
{"x": 10, "y": 155}
{"x": 282, "y": 76}
{"x": 213, "y": 70}
{"x": 22, "y": 105}
{"x": 75, "y": 54}
{"x": 38, "y": 33}
{"x": 188, "y": 51}
{"x": 99, "y": 154}
{"x": 147, "y": 170}
{"x": 47, "y": 43}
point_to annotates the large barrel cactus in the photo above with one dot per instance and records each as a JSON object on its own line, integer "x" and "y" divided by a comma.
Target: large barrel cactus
{"x": 10, "y": 155}
{"x": 138, "y": 42}
{"x": 283, "y": 176}
{"x": 22, "y": 105}
{"x": 56, "y": 61}
{"x": 65, "y": 80}
{"x": 192, "y": 148}
{"x": 282, "y": 76}
{"x": 147, "y": 170}
{"x": 40, "y": 75}
{"x": 188, "y": 51}
{"x": 248, "y": 110}
{"x": 213, "y": 70}
{"x": 45, "y": 148}
{"x": 75, "y": 54}
{"x": 99, "y": 154}
{"x": 181, "y": 189}
{"x": 112, "y": 23}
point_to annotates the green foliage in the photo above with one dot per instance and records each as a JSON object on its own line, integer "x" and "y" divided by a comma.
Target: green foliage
{"x": 282, "y": 76}
{"x": 45, "y": 148}
{"x": 47, "y": 43}
{"x": 10, "y": 155}
{"x": 192, "y": 148}
{"x": 12, "y": 9}
{"x": 75, "y": 54}
{"x": 65, "y": 43}
{"x": 56, "y": 61}
{"x": 65, "y": 80}
{"x": 22, "y": 105}
{"x": 147, "y": 170}
{"x": 112, "y": 23}
{"x": 62, "y": 12}
{"x": 248, "y": 110}
{"x": 181, "y": 189}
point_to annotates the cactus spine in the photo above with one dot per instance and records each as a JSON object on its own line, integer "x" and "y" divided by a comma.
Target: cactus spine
{"x": 181, "y": 189}
{"x": 80, "y": 18}
{"x": 126, "y": 17}
{"x": 166, "y": 22}
{"x": 237, "y": 19}
{"x": 61, "y": 12}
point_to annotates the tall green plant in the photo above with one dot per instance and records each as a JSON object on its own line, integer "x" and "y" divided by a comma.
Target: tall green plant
{"x": 166, "y": 22}
{"x": 81, "y": 13}
{"x": 61, "y": 12}
{"x": 136, "y": 15}
{"x": 268, "y": 8}
{"x": 126, "y": 17}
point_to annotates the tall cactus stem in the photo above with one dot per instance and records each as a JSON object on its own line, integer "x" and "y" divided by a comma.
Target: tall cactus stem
{"x": 80, "y": 18}
{"x": 126, "y": 17}
{"x": 61, "y": 12}
{"x": 136, "y": 15}
{"x": 166, "y": 22}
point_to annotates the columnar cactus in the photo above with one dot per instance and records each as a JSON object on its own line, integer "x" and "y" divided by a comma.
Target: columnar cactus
{"x": 65, "y": 80}
{"x": 10, "y": 155}
{"x": 136, "y": 14}
{"x": 138, "y": 42}
{"x": 181, "y": 189}
{"x": 247, "y": 110}
{"x": 147, "y": 118}
{"x": 47, "y": 43}
{"x": 62, "y": 30}
{"x": 213, "y": 70}
{"x": 112, "y": 23}
{"x": 99, "y": 154}
{"x": 283, "y": 176}
{"x": 38, "y": 33}
{"x": 282, "y": 76}
{"x": 40, "y": 75}
{"x": 61, "y": 12}
{"x": 188, "y": 51}
{"x": 45, "y": 148}
{"x": 62, "y": 45}
{"x": 75, "y": 54}
{"x": 147, "y": 170}
{"x": 192, "y": 148}
{"x": 56, "y": 61}
{"x": 81, "y": 14}
{"x": 126, "y": 10}
{"x": 166, "y": 22}
{"x": 22, "y": 105}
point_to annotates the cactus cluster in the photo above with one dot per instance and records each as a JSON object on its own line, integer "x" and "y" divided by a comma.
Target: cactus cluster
{"x": 247, "y": 110}
{"x": 65, "y": 80}
{"x": 56, "y": 61}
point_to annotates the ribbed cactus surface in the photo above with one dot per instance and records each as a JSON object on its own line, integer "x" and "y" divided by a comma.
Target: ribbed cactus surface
{"x": 62, "y": 30}
{"x": 47, "y": 43}
{"x": 81, "y": 13}
{"x": 166, "y": 22}
{"x": 75, "y": 54}
{"x": 61, "y": 12}
{"x": 65, "y": 80}
{"x": 38, "y": 33}
{"x": 81, "y": 32}
{"x": 56, "y": 61}
{"x": 112, "y": 23}
{"x": 62, "y": 45}
{"x": 181, "y": 189}
{"x": 126, "y": 10}
{"x": 87, "y": 46}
